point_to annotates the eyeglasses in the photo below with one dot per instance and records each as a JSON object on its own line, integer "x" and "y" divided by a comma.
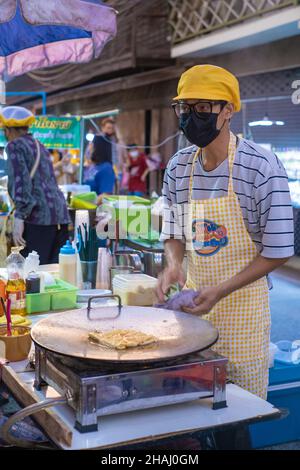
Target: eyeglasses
{"x": 198, "y": 107}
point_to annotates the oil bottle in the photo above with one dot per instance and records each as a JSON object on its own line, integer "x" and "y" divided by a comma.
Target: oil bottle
{"x": 2, "y": 293}
{"x": 16, "y": 285}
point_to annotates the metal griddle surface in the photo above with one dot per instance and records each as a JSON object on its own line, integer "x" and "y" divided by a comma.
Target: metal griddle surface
{"x": 179, "y": 333}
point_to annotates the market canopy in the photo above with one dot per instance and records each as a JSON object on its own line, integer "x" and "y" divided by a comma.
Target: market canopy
{"x": 42, "y": 33}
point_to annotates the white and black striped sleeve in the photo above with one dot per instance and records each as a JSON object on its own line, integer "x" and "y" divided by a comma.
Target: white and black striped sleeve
{"x": 172, "y": 225}
{"x": 274, "y": 209}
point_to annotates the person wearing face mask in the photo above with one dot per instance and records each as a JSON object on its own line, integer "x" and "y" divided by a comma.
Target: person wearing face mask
{"x": 138, "y": 169}
{"x": 228, "y": 207}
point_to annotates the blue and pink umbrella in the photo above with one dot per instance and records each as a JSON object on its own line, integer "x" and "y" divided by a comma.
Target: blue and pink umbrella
{"x": 42, "y": 33}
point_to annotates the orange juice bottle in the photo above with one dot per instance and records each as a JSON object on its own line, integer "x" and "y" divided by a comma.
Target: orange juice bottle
{"x": 16, "y": 285}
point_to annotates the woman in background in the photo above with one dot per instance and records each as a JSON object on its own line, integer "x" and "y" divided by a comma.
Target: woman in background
{"x": 99, "y": 175}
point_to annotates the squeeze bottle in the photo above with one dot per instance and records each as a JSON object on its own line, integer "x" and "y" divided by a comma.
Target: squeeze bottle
{"x": 68, "y": 263}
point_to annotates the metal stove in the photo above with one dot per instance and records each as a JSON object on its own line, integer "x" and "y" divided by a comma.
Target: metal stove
{"x": 99, "y": 381}
{"x": 103, "y": 389}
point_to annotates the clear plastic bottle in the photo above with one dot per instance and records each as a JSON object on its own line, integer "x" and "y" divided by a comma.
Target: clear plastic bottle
{"x": 32, "y": 263}
{"x": 16, "y": 285}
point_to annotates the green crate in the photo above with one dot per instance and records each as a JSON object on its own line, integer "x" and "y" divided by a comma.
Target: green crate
{"x": 59, "y": 296}
{"x": 36, "y": 303}
{"x": 134, "y": 199}
{"x": 89, "y": 197}
{"x": 63, "y": 295}
{"x": 132, "y": 212}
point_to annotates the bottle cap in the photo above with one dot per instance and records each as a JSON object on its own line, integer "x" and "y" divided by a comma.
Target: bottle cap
{"x": 16, "y": 249}
{"x": 33, "y": 275}
{"x": 67, "y": 249}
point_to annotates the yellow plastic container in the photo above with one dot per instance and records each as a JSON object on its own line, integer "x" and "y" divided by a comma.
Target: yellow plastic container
{"x": 15, "y": 347}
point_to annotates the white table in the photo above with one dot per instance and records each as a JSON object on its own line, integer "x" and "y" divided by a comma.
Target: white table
{"x": 156, "y": 423}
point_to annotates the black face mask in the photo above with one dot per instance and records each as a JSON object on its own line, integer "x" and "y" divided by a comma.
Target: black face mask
{"x": 200, "y": 129}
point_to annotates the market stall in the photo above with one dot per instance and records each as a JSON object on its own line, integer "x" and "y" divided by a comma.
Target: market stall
{"x": 183, "y": 381}
{"x": 117, "y": 410}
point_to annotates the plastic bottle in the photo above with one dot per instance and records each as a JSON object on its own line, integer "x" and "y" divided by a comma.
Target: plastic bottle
{"x": 33, "y": 283}
{"x": 2, "y": 293}
{"x": 16, "y": 286}
{"x": 68, "y": 264}
{"x": 32, "y": 263}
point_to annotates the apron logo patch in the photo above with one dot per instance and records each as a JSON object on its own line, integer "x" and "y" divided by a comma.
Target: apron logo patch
{"x": 208, "y": 237}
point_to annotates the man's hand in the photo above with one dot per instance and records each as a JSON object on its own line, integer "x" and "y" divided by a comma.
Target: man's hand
{"x": 170, "y": 275}
{"x": 18, "y": 232}
{"x": 205, "y": 301}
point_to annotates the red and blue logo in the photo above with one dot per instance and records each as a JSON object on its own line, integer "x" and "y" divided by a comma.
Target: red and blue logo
{"x": 208, "y": 237}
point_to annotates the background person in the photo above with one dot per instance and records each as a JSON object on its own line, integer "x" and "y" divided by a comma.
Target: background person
{"x": 64, "y": 169}
{"x": 105, "y": 147}
{"x": 99, "y": 175}
{"x": 138, "y": 170}
{"x": 41, "y": 216}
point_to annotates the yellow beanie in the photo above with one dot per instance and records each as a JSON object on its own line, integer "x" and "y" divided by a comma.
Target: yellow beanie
{"x": 16, "y": 116}
{"x": 209, "y": 82}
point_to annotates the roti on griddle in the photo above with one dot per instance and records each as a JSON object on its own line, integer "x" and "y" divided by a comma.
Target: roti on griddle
{"x": 122, "y": 339}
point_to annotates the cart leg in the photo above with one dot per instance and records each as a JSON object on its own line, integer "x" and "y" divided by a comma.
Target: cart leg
{"x": 86, "y": 428}
{"x": 86, "y": 409}
{"x": 219, "y": 391}
{"x": 38, "y": 381}
{"x": 236, "y": 437}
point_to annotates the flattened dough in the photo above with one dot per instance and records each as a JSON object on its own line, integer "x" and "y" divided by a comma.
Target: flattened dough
{"x": 122, "y": 339}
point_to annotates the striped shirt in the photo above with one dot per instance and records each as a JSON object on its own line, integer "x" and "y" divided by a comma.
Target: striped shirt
{"x": 260, "y": 183}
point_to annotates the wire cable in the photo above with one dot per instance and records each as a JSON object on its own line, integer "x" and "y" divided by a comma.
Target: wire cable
{"x": 171, "y": 137}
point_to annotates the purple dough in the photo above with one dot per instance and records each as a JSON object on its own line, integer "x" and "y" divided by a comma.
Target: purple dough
{"x": 184, "y": 298}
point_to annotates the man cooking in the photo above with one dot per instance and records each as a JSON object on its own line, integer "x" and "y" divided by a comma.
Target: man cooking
{"x": 239, "y": 223}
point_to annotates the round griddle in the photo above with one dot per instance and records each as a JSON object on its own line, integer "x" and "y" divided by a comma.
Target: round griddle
{"x": 179, "y": 334}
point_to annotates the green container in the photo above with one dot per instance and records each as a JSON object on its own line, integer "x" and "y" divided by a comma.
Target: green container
{"x": 63, "y": 295}
{"x": 59, "y": 296}
{"x": 132, "y": 212}
{"x": 36, "y": 303}
{"x": 89, "y": 197}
